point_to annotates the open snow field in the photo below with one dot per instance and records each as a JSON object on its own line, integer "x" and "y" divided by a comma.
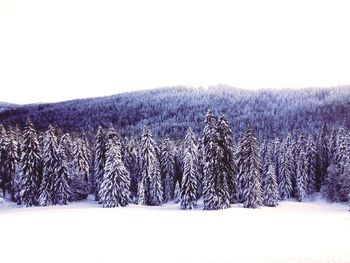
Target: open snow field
{"x": 313, "y": 231}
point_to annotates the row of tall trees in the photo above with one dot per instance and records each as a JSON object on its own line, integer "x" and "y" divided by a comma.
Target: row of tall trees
{"x": 44, "y": 169}
{"x": 54, "y": 168}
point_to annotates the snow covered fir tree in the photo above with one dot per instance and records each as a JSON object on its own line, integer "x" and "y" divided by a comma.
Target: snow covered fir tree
{"x": 30, "y": 170}
{"x": 249, "y": 163}
{"x": 114, "y": 189}
{"x": 150, "y": 189}
{"x": 211, "y": 169}
{"x": 216, "y": 192}
{"x": 190, "y": 178}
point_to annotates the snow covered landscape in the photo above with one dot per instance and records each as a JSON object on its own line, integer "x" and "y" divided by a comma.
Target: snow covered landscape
{"x": 313, "y": 231}
{"x": 209, "y": 198}
{"x": 183, "y": 131}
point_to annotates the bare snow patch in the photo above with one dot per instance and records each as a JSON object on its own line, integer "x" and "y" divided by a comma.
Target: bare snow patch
{"x": 312, "y": 231}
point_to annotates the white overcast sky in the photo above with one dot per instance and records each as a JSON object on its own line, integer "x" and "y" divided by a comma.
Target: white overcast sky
{"x": 63, "y": 49}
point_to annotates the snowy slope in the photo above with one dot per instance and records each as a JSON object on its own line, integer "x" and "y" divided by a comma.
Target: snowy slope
{"x": 313, "y": 231}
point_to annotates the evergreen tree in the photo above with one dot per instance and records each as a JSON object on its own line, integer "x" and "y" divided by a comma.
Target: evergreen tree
{"x": 62, "y": 190}
{"x": 216, "y": 193}
{"x": 12, "y": 161}
{"x": 100, "y": 160}
{"x": 30, "y": 167}
{"x": 285, "y": 186}
{"x": 302, "y": 170}
{"x": 150, "y": 190}
{"x": 177, "y": 192}
{"x": 66, "y": 145}
{"x": 344, "y": 184}
{"x": 332, "y": 145}
{"x": 311, "y": 153}
{"x": 113, "y": 136}
{"x": 333, "y": 183}
{"x": 50, "y": 159}
{"x": 115, "y": 187}
{"x": 189, "y": 178}
{"x": 267, "y": 157}
{"x": 343, "y": 148}
{"x": 200, "y": 168}
{"x": 81, "y": 169}
{"x": 277, "y": 156}
{"x": 179, "y": 165}
{"x": 265, "y": 153}
{"x": 270, "y": 191}
{"x": 249, "y": 164}
{"x": 131, "y": 161}
{"x": 228, "y": 157}
{"x": 157, "y": 192}
{"x": 294, "y": 167}
{"x": 240, "y": 173}
{"x": 167, "y": 161}
{"x": 323, "y": 155}
{"x": 4, "y": 141}
{"x": 336, "y": 186}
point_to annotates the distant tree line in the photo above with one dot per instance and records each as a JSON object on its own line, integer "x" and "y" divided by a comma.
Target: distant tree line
{"x": 54, "y": 168}
{"x": 170, "y": 111}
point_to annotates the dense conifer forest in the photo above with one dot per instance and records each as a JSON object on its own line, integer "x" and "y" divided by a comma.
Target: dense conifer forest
{"x": 170, "y": 111}
{"x": 149, "y": 148}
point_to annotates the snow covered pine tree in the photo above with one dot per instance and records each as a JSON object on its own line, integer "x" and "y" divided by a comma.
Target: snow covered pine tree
{"x": 228, "y": 157}
{"x": 4, "y": 141}
{"x": 189, "y": 178}
{"x": 115, "y": 186}
{"x": 167, "y": 162}
{"x": 50, "y": 159}
{"x": 150, "y": 190}
{"x": 302, "y": 169}
{"x": 62, "y": 190}
{"x": 249, "y": 164}
{"x": 216, "y": 193}
{"x": 81, "y": 170}
{"x": 100, "y": 160}
{"x": 270, "y": 190}
{"x": 30, "y": 167}
{"x": 12, "y": 160}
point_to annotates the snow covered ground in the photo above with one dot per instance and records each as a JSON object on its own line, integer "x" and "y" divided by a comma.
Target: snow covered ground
{"x": 312, "y": 231}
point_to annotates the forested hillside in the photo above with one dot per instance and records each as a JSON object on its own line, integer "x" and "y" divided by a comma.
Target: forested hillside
{"x": 170, "y": 111}
{"x": 6, "y": 106}
{"x": 221, "y": 145}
